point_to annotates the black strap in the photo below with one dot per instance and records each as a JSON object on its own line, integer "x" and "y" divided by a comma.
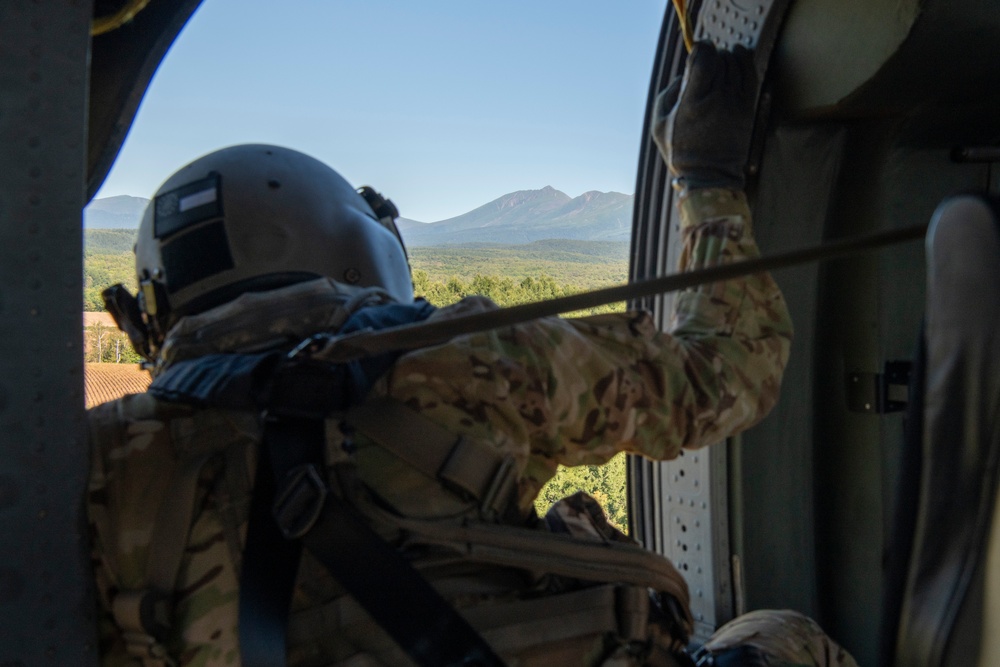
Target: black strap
{"x": 291, "y": 507}
{"x": 270, "y": 562}
{"x": 396, "y": 596}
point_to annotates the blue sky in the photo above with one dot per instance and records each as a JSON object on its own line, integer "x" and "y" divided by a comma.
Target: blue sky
{"x": 442, "y": 105}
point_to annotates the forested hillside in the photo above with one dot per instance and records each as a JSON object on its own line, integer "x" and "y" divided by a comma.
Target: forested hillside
{"x": 507, "y": 274}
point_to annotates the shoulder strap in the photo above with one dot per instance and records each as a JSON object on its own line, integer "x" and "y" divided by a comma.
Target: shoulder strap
{"x": 143, "y": 613}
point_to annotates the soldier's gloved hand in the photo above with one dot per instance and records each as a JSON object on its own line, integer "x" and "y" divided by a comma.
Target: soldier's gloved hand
{"x": 702, "y": 122}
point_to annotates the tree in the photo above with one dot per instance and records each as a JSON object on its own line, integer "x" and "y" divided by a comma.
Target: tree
{"x": 104, "y": 344}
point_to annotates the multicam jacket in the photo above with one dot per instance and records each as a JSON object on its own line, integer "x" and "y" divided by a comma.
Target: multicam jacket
{"x": 550, "y": 392}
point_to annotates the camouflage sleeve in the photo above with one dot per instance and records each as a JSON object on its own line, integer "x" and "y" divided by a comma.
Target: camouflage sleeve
{"x": 717, "y": 371}
{"x": 579, "y": 391}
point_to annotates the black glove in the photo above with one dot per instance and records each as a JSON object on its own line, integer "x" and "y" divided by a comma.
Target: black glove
{"x": 703, "y": 122}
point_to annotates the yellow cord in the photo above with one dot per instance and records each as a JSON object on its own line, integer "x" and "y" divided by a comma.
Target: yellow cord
{"x": 680, "y": 6}
{"x": 103, "y": 24}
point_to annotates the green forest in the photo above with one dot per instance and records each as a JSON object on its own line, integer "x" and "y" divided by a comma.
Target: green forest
{"x": 444, "y": 274}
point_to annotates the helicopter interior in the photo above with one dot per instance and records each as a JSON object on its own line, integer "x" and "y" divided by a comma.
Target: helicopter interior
{"x": 871, "y": 114}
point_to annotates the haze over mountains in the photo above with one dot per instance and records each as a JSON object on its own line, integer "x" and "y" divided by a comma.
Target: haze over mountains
{"x": 516, "y": 218}
{"x": 121, "y": 212}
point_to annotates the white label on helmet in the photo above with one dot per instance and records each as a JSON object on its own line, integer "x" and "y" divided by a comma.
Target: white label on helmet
{"x": 197, "y": 199}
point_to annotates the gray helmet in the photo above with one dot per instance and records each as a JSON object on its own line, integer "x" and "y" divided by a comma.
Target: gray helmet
{"x": 257, "y": 217}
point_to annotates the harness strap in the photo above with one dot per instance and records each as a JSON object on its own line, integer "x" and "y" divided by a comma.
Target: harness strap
{"x": 469, "y": 466}
{"x": 144, "y": 615}
{"x": 384, "y": 583}
{"x": 270, "y": 562}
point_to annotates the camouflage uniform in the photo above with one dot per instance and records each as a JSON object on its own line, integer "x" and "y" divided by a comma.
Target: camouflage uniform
{"x": 551, "y": 392}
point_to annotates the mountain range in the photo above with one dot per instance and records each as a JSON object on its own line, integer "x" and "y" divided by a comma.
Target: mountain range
{"x": 513, "y": 219}
{"x": 122, "y": 212}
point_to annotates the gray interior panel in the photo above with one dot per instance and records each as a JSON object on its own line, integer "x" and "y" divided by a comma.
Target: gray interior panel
{"x": 46, "y": 602}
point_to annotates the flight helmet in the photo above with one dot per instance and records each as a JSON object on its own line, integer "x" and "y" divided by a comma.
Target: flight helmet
{"x": 258, "y": 217}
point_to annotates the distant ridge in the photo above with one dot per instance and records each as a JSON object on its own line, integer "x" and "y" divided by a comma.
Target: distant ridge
{"x": 517, "y": 218}
{"x": 121, "y": 212}
{"x": 530, "y": 215}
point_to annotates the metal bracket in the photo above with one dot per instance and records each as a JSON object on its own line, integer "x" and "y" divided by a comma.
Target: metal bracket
{"x": 880, "y": 393}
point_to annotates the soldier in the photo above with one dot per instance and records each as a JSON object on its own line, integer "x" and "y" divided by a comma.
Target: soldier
{"x": 410, "y": 477}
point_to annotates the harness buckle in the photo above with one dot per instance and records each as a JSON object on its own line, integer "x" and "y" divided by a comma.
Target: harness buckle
{"x": 299, "y": 501}
{"x": 310, "y": 346}
{"x": 496, "y": 501}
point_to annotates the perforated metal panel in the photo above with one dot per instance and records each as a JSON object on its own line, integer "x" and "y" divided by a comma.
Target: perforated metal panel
{"x": 693, "y": 528}
{"x": 45, "y": 603}
{"x": 752, "y": 23}
{"x": 681, "y": 508}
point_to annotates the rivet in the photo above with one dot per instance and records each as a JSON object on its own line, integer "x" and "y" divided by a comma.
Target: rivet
{"x": 352, "y": 276}
{"x": 42, "y": 514}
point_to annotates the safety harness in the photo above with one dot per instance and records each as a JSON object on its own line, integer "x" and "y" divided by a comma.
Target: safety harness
{"x": 294, "y": 506}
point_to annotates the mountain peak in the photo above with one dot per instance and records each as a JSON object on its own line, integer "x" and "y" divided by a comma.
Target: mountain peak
{"x": 529, "y": 215}
{"x": 548, "y": 194}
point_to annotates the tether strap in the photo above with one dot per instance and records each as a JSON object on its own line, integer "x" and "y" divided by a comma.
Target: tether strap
{"x": 434, "y": 332}
{"x": 384, "y": 583}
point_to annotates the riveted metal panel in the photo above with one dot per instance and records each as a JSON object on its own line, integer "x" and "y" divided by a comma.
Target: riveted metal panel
{"x": 45, "y": 599}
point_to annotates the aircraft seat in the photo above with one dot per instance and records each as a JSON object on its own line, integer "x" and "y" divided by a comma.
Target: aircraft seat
{"x": 941, "y": 604}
